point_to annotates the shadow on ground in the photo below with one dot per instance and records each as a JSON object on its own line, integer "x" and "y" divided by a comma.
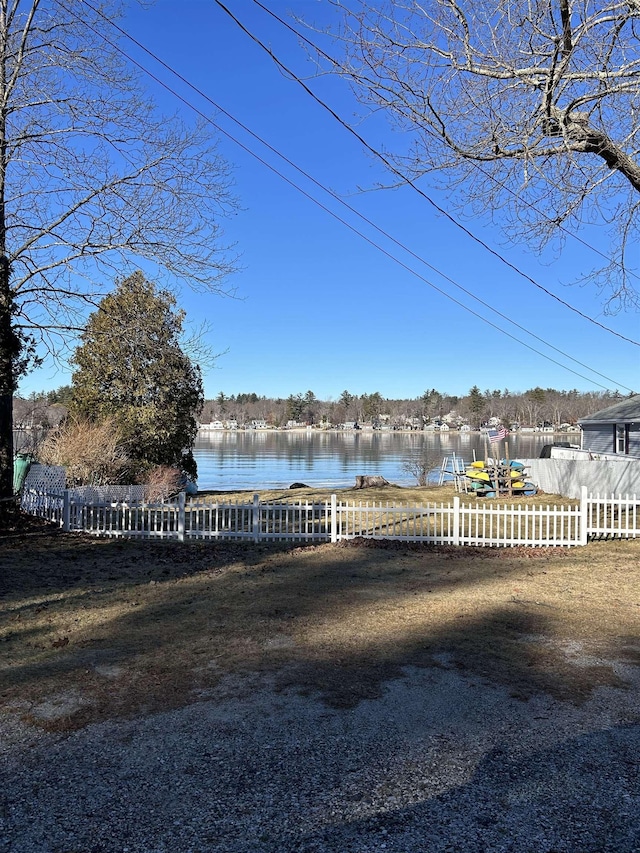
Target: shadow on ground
{"x": 578, "y": 797}
{"x": 129, "y": 628}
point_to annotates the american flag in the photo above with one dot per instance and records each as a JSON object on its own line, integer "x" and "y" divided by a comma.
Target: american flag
{"x": 497, "y": 434}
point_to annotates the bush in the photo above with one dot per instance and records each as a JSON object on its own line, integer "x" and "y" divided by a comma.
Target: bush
{"x": 420, "y": 464}
{"x": 92, "y": 453}
{"x": 163, "y": 482}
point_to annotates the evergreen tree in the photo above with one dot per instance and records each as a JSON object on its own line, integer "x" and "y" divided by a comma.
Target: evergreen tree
{"x": 477, "y": 404}
{"x": 131, "y": 368}
{"x": 295, "y": 406}
{"x": 92, "y": 176}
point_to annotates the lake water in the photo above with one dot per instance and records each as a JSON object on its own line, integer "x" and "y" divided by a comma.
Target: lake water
{"x": 239, "y": 460}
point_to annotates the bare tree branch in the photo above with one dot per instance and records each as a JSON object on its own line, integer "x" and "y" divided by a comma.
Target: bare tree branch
{"x": 519, "y": 107}
{"x": 93, "y": 180}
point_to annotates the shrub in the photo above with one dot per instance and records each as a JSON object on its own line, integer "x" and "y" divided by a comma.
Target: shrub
{"x": 162, "y": 482}
{"x": 420, "y": 464}
{"x": 92, "y": 453}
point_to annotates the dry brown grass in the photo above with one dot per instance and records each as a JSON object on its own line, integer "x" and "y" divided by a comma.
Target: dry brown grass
{"x": 392, "y": 494}
{"x": 93, "y": 628}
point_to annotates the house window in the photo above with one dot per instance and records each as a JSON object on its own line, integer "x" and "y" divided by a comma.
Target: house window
{"x": 621, "y": 438}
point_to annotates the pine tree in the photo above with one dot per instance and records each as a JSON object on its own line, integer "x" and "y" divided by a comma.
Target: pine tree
{"x": 93, "y": 178}
{"x": 131, "y": 368}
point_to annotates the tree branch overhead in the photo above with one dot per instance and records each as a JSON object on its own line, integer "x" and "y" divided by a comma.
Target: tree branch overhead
{"x": 527, "y": 109}
{"x": 93, "y": 181}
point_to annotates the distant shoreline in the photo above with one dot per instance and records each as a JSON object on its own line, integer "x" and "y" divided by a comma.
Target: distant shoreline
{"x": 526, "y": 431}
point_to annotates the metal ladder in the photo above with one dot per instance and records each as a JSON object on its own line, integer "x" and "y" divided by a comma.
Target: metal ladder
{"x": 455, "y": 467}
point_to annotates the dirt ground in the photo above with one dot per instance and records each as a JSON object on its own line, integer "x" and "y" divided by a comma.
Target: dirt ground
{"x": 92, "y": 629}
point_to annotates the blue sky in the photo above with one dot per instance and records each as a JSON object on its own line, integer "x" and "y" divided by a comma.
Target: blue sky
{"x": 319, "y": 308}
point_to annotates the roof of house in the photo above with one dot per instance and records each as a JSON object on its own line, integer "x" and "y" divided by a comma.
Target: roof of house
{"x": 625, "y": 410}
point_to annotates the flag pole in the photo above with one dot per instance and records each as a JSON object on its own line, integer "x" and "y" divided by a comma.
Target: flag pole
{"x": 491, "y": 469}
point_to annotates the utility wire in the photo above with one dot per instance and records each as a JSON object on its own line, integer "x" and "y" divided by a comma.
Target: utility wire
{"x": 477, "y": 165}
{"x": 332, "y": 213}
{"x": 392, "y": 168}
{"x": 358, "y": 213}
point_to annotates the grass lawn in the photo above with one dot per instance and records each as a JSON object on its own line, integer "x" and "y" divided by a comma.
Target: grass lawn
{"x": 92, "y": 629}
{"x": 415, "y": 495}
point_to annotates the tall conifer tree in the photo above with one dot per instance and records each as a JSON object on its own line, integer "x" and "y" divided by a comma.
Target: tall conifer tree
{"x": 131, "y": 368}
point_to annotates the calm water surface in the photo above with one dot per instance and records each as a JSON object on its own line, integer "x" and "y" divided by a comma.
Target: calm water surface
{"x": 238, "y": 460}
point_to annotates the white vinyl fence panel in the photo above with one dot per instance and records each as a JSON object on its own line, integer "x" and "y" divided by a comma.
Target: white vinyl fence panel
{"x": 521, "y": 525}
{"x": 478, "y": 524}
{"x": 43, "y": 492}
{"x": 430, "y": 523}
{"x": 609, "y": 516}
{"x": 220, "y": 520}
{"x": 95, "y": 494}
{"x": 599, "y": 476}
{"x": 44, "y": 489}
{"x": 47, "y": 504}
{"x": 258, "y": 521}
{"x": 131, "y": 520}
{"x": 463, "y": 524}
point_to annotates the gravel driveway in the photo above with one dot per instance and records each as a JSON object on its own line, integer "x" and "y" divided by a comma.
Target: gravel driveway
{"x": 441, "y": 762}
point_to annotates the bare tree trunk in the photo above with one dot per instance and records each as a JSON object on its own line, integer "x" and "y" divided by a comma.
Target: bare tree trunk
{"x": 90, "y": 173}
{"x": 7, "y": 342}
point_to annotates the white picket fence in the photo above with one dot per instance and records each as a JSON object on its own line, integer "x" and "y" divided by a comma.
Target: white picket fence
{"x": 484, "y": 524}
{"x": 615, "y": 517}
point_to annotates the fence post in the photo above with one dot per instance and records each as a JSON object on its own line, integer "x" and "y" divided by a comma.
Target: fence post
{"x": 182, "y": 500}
{"x": 255, "y": 518}
{"x": 584, "y": 515}
{"x": 456, "y": 521}
{"x": 334, "y": 518}
{"x": 66, "y": 511}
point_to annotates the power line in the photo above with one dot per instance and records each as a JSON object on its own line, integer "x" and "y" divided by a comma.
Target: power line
{"x": 332, "y": 213}
{"x": 338, "y": 218}
{"x": 476, "y": 165}
{"x": 363, "y": 217}
{"x": 385, "y": 160}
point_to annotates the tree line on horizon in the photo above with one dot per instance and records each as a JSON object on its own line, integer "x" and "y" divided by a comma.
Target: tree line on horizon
{"x": 533, "y": 407}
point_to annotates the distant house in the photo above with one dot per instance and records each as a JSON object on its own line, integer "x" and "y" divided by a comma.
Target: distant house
{"x": 615, "y": 429}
